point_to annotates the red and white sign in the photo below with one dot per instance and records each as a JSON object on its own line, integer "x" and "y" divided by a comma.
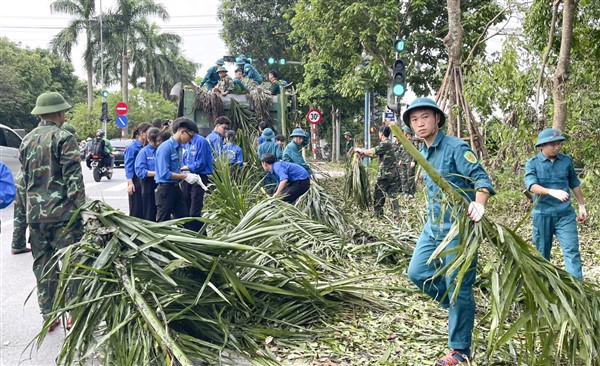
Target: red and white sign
{"x": 122, "y": 108}
{"x": 314, "y": 116}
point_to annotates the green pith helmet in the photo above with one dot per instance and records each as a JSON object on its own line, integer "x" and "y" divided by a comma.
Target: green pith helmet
{"x": 222, "y": 69}
{"x": 423, "y": 103}
{"x": 220, "y": 62}
{"x": 239, "y": 61}
{"x": 268, "y": 134}
{"x": 549, "y": 135}
{"x": 298, "y": 132}
{"x": 407, "y": 129}
{"x": 348, "y": 133}
{"x": 50, "y": 102}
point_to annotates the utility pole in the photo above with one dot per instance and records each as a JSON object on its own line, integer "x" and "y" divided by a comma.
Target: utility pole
{"x": 104, "y": 92}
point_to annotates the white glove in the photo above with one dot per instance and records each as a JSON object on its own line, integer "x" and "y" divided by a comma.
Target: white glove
{"x": 86, "y": 216}
{"x": 192, "y": 178}
{"x": 582, "y": 213}
{"x": 559, "y": 194}
{"x": 476, "y": 211}
{"x": 201, "y": 184}
{"x": 412, "y": 165}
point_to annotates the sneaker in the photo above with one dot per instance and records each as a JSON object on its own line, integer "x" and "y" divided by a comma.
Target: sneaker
{"x": 20, "y": 251}
{"x": 453, "y": 358}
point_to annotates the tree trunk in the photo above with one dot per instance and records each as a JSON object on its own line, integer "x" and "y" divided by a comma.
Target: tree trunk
{"x": 453, "y": 42}
{"x": 90, "y": 72}
{"x": 125, "y": 75}
{"x": 559, "y": 81}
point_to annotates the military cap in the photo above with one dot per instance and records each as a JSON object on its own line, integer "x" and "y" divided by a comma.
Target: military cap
{"x": 222, "y": 69}
{"x": 50, "y": 102}
{"x": 423, "y": 103}
{"x": 549, "y": 135}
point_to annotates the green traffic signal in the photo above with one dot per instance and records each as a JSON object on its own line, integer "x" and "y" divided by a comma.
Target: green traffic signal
{"x": 282, "y": 61}
{"x": 105, "y": 93}
{"x": 399, "y": 45}
{"x": 398, "y": 90}
{"x": 271, "y": 61}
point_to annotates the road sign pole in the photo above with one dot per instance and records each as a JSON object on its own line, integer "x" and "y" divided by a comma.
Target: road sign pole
{"x": 314, "y": 135}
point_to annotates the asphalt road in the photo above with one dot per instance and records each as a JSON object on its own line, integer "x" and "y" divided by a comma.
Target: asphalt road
{"x": 20, "y": 319}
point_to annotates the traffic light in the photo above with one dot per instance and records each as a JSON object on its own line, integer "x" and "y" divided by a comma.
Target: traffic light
{"x": 104, "y": 116}
{"x": 399, "y": 45}
{"x": 271, "y": 61}
{"x": 105, "y": 94}
{"x": 282, "y": 61}
{"x": 399, "y": 78}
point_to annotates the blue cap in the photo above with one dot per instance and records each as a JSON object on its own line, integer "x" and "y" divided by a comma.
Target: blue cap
{"x": 549, "y": 135}
{"x": 239, "y": 61}
{"x": 268, "y": 134}
{"x": 220, "y": 62}
{"x": 423, "y": 103}
{"x": 298, "y": 132}
{"x": 407, "y": 129}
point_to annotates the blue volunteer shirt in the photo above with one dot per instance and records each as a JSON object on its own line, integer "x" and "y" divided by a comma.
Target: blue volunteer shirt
{"x": 216, "y": 142}
{"x": 145, "y": 161}
{"x": 168, "y": 161}
{"x": 131, "y": 153}
{"x": 283, "y": 170}
{"x": 7, "y": 186}
{"x": 559, "y": 174}
{"x": 457, "y": 163}
{"x": 234, "y": 153}
{"x": 198, "y": 156}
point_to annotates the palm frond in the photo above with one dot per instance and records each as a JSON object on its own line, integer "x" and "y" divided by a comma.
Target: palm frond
{"x": 356, "y": 187}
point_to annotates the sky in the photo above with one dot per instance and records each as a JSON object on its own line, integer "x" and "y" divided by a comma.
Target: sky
{"x": 31, "y": 23}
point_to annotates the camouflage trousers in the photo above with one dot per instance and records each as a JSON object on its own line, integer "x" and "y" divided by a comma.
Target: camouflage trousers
{"x": 19, "y": 238}
{"x": 407, "y": 179}
{"x": 386, "y": 187}
{"x": 46, "y": 240}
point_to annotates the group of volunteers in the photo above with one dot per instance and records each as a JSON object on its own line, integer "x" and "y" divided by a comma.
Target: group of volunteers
{"x": 169, "y": 167}
{"x": 245, "y": 76}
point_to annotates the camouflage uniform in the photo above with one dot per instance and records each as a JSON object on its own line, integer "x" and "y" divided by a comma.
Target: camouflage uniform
{"x": 52, "y": 188}
{"x": 407, "y": 175}
{"x": 225, "y": 85}
{"x": 387, "y": 177}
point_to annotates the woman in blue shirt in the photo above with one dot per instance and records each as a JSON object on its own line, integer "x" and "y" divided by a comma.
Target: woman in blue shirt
{"x": 134, "y": 188}
{"x": 145, "y": 169}
{"x": 292, "y": 179}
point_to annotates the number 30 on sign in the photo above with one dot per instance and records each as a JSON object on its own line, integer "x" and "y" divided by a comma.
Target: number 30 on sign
{"x": 314, "y": 116}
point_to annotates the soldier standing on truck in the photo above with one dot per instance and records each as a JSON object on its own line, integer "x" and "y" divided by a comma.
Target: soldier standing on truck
{"x": 212, "y": 77}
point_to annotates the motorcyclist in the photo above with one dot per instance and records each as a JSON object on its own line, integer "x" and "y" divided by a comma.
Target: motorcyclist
{"x": 105, "y": 148}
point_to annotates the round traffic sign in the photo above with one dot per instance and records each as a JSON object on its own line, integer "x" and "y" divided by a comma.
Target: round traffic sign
{"x": 122, "y": 121}
{"x": 122, "y": 108}
{"x": 314, "y": 116}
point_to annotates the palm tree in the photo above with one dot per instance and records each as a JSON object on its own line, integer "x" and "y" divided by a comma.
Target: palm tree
{"x": 129, "y": 18}
{"x": 83, "y": 12}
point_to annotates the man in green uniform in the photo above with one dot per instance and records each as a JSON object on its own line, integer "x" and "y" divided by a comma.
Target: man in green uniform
{"x": 349, "y": 142}
{"x": 52, "y": 187}
{"x": 275, "y": 84}
{"x": 291, "y": 153}
{"x": 406, "y": 165}
{"x": 225, "y": 84}
{"x": 387, "y": 172}
{"x": 212, "y": 78}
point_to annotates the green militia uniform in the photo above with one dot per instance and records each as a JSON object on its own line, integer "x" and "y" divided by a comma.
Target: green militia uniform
{"x": 349, "y": 145}
{"x": 20, "y": 217}
{"x": 407, "y": 175}
{"x": 52, "y": 188}
{"x": 387, "y": 177}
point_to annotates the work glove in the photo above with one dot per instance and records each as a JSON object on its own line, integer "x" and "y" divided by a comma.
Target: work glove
{"x": 412, "y": 165}
{"x": 201, "y": 184}
{"x": 476, "y": 211}
{"x": 559, "y": 194}
{"x": 582, "y": 213}
{"x": 86, "y": 216}
{"x": 192, "y": 178}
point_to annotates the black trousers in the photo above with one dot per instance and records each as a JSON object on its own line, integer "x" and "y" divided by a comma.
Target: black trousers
{"x": 148, "y": 187}
{"x": 194, "y": 196}
{"x": 295, "y": 189}
{"x": 136, "y": 202}
{"x": 169, "y": 201}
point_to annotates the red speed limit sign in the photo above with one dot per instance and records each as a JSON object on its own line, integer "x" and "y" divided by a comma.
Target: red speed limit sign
{"x": 314, "y": 116}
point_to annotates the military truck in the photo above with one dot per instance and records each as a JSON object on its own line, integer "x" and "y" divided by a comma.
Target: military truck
{"x": 283, "y": 105}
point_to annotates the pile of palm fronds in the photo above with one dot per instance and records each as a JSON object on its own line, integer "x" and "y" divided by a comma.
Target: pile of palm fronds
{"x": 211, "y": 103}
{"x": 556, "y": 315}
{"x": 241, "y": 117}
{"x": 153, "y": 293}
{"x": 260, "y": 101}
{"x": 321, "y": 207}
{"x": 246, "y": 140}
{"x": 356, "y": 187}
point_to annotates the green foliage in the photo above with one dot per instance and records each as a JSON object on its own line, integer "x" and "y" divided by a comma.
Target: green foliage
{"x": 24, "y": 75}
{"x": 143, "y": 107}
